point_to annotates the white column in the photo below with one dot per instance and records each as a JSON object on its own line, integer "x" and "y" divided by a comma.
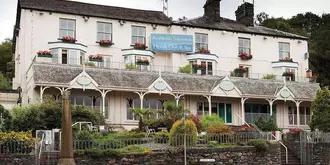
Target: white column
{"x": 141, "y": 95}
{"x": 209, "y": 99}
{"x": 243, "y": 109}
{"x": 42, "y": 93}
{"x": 104, "y": 94}
{"x": 298, "y": 113}
{"x": 271, "y": 102}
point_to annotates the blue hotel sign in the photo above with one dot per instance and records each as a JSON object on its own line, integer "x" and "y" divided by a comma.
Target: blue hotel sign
{"x": 171, "y": 43}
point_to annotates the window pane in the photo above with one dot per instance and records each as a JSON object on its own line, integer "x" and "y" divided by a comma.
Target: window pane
{"x": 107, "y": 36}
{"x": 142, "y": 31}
{"x": 63, "y": 24}
{"x": 198, "y": 38}
{"x": 100, "y": 27}
{"x": 70, "y": 33}
{"x": 137, "y": 103}
{"x": 63, "y": 33}
{"x": 108, "y": 28}
{"x": 134, "y": 31}
{"x": 71, "y": 24}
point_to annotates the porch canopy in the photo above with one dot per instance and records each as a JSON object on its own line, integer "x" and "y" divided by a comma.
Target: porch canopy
{"x": 63, "y": 77}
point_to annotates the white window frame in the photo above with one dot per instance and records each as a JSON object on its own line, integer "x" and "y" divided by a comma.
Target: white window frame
{"x": 284, "y": 50}
{"x": 104, "y": 31}
{"x": 67, "y": 29}
{"x": 244, "y": 45}
{"x": 201, "y": 41}
{"x": 141, "y": 34}
{"x": 294, "y": 70}
{"x": 106, "y": 61}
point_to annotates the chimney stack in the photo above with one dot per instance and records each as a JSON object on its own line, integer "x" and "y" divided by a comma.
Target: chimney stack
{"x": 245, "y": 14}
{"x": 212, "y": 10}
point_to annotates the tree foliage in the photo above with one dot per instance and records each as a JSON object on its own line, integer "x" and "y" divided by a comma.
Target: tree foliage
{"x": 4, "y": 83}
{"x": 143, "y": 115}
{"x": 5, "y": 119}
{"x": 6, "y": 60}
{"x": 321, "y": 111}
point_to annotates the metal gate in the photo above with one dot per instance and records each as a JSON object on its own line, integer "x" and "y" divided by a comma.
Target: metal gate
{"x": 306, "y": 148}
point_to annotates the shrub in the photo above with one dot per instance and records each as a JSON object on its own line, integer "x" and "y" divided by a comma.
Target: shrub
{"x": 219, "y": 129}
{"x": 17, "y": 142}
{"x": 48, "y": 115}
{"x": 260, "y": 145}
{"x": 266, "y": 126}
{"x": 295, "y": 130}
{"x": 83, "y": 140}
{"x": 269, "y": 77}
{"x": 130, "y": 67}
{"x": 207, "y": 121}
{"x": 185, "y": 69}
{"x": 162, "y": 136}
{"x": 196, "y": 120}
{"x": 177, "y": 133}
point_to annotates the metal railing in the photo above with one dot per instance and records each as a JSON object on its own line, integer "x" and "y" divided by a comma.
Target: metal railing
{"x": 154, "y": 68}
{"x": 17, "y": 147}
{"x": 286, "y": 148}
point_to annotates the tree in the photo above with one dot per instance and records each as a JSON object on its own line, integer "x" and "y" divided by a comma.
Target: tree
{"x": 142, "y": 114}
{"x": 4, "y": 83}
{"x": 6, "y": 54}
{"x": 321, "y": 111}
{"x": 261, "y": 17}
{"x": 173, "y": 113}
{"x": 5, "y": 119}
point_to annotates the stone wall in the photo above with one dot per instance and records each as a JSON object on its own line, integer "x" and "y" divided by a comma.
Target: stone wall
{"x": 240, "y": 155}
{"x": 17, "y": 160}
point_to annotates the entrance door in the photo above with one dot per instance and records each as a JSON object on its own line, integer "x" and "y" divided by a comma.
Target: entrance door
{"x": 225, "y": 112}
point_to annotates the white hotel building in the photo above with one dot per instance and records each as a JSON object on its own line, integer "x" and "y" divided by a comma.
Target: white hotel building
{"x": 120, "y": 81}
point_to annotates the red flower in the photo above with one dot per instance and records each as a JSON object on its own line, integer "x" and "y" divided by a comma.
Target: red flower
{"x": 106, "y": 41}
{"x": 139, "y": 45}
{"x": 44, "y": 52}
{"x": 68, "y": 38}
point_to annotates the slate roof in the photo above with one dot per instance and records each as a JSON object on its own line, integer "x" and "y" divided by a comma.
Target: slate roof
{"x": 146, "y": 16}
{"x": 231, "y": 25}
{"x": 79, "y": 8}
{"x": 64, "y": 74}
{"x": 301, "y": 90}
{"x": 112, "y": 78}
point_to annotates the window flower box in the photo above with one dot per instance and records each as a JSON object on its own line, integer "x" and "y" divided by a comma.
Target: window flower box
{"x": 68, "y": 39}
{"x": 95, "y": 58}
{"x": 105, "y": 43}
{"x": 199, "y": 67}
{"x": 142, "y": 62}
{"x": 240, "y": 71}
{"x": 245, "y": 56}
{"x": 44, "y": 53}
{"x": 139, "y": 46}
{"x": 204, "y": 51}
{"x": 288, "y": 74}
{"x": 286, "y": 59}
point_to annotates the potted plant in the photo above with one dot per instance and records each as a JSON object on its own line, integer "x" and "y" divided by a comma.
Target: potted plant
{"x": 245, "y": 56}
{"x": 105, "y": 43}
{"x": 140, "y": 46}
{"x": 240, "y": 71}
{"x": 68, "y": 39}
{"x": 204, "y": 51}
{"x": 95, "y": 58}
{"x": 286, "y": 59}
{"x": 44, "y": 53}
{"x": 142, "y": 62}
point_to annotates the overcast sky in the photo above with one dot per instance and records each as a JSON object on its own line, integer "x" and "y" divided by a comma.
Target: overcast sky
{"x": 188, "y": 8}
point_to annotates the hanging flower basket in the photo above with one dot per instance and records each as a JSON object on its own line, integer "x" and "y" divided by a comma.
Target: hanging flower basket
{"x": 105, "y": 43}
{"x": 68, "y": 39}
{"x": 245, "y": 56}
{"x": 199, "y": 67}
{"x": 288, "y": 74}
{"x": 95, "y": 58}
{"x": 286, "y": 59}
{"x": 140, "y": 46}
{"x": 44, "y": 53}
{"x": 204, "y": 51}
{"x": 142, "y": 62}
